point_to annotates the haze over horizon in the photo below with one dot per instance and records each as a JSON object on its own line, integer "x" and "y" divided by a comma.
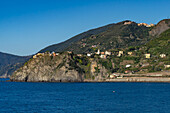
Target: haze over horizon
{"x": 28, "y": 26}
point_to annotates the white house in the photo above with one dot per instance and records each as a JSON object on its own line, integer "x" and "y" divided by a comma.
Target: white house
{"x": 162, "y": 55}
{"x": 128, "y": 65}
{"x": 98, "y": 52}
{"x": 88, "y": 54}
{"x": 57, "y": 53}
{"x": 107, "y": 53}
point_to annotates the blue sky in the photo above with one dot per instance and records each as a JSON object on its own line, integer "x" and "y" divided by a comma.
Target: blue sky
{"x": 26, "y": 26}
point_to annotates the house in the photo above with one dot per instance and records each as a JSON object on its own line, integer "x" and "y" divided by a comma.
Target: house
{"x": 162, "y": 55}
{"x": 112, "y": 76}
{"x": 84, "y": 44}
{"x": 147, "y": 55}
{"x": 127, "y": 23}
{"x": 120, "y": 53}
{"x": 98, "y": 52}
{"x": 57, "y": 54}
{"x": 150, "y": 25}
{"x": 93, "y": 46}
{"x": 128, "y": 65}
{"x": 167, "y": 66}
{"x": 79, "y": 55}
{"x": 53, "y": 54}
{"x": 39, "y": 55}
{"x": 130, "y": 53}
{"x": 107, "y": 53}
{"x": 88, "y": 54}
{"x": 102, "y": 53}
{"x": 142, "y": 24}
{"x": 103, "y": 56}
{"x": 128, "y": 72}
{"x": 70, "y": 52}
{"x": 35, "y": 56}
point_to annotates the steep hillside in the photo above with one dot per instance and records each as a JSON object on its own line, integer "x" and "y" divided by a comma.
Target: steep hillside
{"x": 162, "y": 26}
{"x": 9, "y": 63}
{"x": 109, "y": 36}
{"x": 61, "y": 46}
{"x": 161, "y": 44}
{"x": 120, "y": 35}
{"x": 65, "y": 67}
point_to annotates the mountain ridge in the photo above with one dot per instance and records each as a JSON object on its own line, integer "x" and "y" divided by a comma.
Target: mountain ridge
{"x": 148, "y": 61}
{"x": 9, "y": 63}
{"x": 122, "y": 34}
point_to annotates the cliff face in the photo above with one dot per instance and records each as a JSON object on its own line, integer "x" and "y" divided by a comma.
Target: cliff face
{"x": 160, "y": 27}
{"x": 47, "y": 68}
{"x": 62, "y": 68}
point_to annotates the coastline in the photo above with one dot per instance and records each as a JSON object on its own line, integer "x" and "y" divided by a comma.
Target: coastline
{"x": 145, "y": 77}
{"x": 125, "y": 79}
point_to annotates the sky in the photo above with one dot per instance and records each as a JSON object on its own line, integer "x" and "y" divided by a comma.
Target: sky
{"x": 27, "y": 26}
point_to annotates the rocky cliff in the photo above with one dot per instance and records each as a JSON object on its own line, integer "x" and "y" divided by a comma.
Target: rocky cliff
{"x": 65, "y": 67}
{"x": 162, "y": 26}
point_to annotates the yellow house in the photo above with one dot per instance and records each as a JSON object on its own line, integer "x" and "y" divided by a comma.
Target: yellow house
{"x": 40, "y": 54}
{"x": 129, "y": 53}
{"x": 147, "y": 55}
{"x": 120, "y": 53}
{"x": 35, "y": 56}
{"x": 167, "y": 66}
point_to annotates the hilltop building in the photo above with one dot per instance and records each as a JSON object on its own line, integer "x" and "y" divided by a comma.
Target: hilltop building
{"x": 144, "y": 24}
{"x": 127, "y": 23}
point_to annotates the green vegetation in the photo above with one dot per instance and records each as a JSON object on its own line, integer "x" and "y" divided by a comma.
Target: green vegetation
{"x": 113, "y": 37}
{"x": 160, "y": 44}
{"x": 116, "y": 36}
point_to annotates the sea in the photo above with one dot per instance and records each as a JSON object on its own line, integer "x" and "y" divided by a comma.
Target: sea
{"x": 28, "y": 97}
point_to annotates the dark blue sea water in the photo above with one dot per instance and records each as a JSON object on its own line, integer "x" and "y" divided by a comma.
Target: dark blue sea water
{"x": 85, "y": 97}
